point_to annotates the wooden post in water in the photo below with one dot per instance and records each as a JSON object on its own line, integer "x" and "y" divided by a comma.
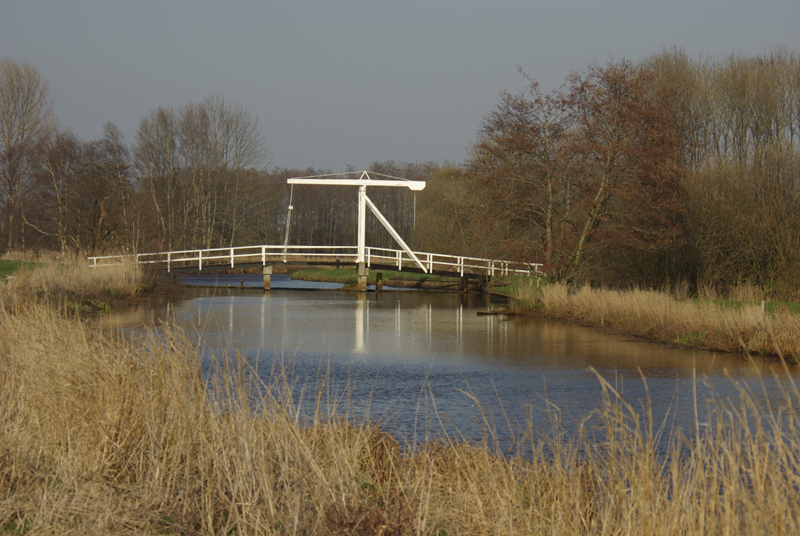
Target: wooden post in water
{"x": 463, "y": 284}
{"x": 379, "y": 282}
{"x": 362, "y": 274}
{"x": 267, "y": 272}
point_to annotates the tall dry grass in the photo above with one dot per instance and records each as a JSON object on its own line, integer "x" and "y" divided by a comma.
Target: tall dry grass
{"x": 657, "y": 315}
{"x": 100, "y": 435}
{"x": 37, "y": 256}
{"x": 75, "y": 282}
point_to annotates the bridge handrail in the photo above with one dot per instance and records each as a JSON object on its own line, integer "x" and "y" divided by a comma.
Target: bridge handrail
{"x": 459, "y": 262}
{"x": 395, "y": 256}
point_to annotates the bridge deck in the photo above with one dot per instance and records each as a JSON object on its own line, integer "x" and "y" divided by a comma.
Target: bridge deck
{"x": 376, "y": 258}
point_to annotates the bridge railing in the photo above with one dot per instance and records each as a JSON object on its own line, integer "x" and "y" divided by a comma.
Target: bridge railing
{"x": 436, "y": 262}
{"x": 261, "y": 254}
{"x": 230, "y": 255}
{"x": 433, "y": 262}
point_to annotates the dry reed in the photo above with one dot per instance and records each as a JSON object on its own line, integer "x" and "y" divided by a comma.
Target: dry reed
{"x": 75, "y": 282}
{"x": 100, "y": 435}
{"x": 656, "y": 315}
{"x": 37, "y": 256}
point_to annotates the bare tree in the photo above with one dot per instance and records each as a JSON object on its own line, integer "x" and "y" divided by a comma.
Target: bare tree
{"x": 62, "y": 164}
{"x": 193, "y": 163}
{"x": 156, "y": 156}
{"x": 238, "y": 145}
{"x": 524, "y": 160}
{"x": 26, "y": 122}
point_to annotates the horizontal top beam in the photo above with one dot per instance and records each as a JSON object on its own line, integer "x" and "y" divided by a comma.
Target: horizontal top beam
{"x": 414, "y": 185}
{"x": 337, "y": 179}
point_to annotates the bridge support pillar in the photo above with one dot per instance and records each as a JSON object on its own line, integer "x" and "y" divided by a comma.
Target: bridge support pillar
{"x": 362, "y": 273}
{"x": 266, "y": 270}
{"x": 483, "y": 283}
{"x": 463, "y": 285}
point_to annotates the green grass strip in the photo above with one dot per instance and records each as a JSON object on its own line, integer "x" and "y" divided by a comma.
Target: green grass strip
{"x": 9, "y": 267}
{"x": 349, "y": 275}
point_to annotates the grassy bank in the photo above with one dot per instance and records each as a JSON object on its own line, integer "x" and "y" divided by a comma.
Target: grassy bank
{"x": 722, "y": 325}
{"x": 104, "y": 436}
{"x": 512, "y": 285}
{"x": 348, "y": 276}
{"x": 8, "y": 267}
{"x": 73, "y": 285}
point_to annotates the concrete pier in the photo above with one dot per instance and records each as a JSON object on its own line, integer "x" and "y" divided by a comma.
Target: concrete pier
{"x": 362, "y": 274}
{"x": 267, "y": 273}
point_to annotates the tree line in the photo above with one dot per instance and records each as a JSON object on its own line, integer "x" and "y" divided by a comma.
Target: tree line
{"x": 668, "y": 170}
{"x": 672, "y": 170}
{"x": 194, "y": 177}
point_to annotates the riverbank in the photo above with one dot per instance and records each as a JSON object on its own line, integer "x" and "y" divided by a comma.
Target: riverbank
{"x": 76, "y": 287}
{"x": 100, "y": 435}
{"x": 390, "y": 278}
{"x": 726, "y": 326}
{"x": 8, "y": 267}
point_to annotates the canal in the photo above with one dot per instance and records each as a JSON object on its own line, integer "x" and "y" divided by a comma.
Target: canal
{"x": 425, "y": 364}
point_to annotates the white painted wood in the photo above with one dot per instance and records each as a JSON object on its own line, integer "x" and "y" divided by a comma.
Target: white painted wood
{"x": 457, "y": 264}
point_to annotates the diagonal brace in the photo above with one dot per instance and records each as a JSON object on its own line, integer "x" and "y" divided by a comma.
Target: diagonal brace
{"x": 392, "y": 232}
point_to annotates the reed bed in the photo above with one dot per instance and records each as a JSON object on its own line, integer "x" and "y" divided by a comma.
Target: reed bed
{"x": 73, "y": 284}
{"x": 659, "y": 316}
{"x": 100, "y": 435}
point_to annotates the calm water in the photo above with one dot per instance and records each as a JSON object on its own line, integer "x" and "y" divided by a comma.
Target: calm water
{"x": 419, "y": 361}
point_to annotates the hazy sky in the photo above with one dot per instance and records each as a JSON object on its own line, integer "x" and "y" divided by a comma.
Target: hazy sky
{"x": 349, "y": 82}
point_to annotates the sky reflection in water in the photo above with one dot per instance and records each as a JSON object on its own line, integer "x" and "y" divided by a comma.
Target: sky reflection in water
{"x": 418, "y": 361}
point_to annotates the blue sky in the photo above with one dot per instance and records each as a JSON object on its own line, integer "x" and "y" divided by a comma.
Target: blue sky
{"x": 349, "y": 82}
